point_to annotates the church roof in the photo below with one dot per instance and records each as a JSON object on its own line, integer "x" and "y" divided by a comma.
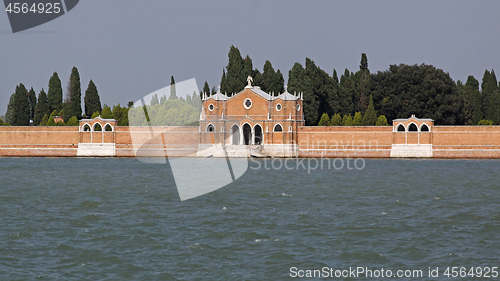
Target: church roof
{"x": 287, "y": 96}
{"x": 218, "y": 96}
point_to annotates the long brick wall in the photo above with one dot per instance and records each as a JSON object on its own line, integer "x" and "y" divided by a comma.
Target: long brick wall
{"x": 376, "y": 142}
{"x": 345, "y": 141}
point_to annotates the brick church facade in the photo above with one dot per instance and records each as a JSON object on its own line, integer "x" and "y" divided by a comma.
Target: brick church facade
{"x": 251, "y": 122}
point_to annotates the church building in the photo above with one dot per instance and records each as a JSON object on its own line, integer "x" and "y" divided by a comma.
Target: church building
{"x": 250, "y": 123}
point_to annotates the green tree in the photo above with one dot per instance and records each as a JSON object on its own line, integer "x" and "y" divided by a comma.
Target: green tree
{"x": 42, "y": 108}
{"x": 106, "y": 113}
{"x": 55, "y": 94}
{"x": 347, "y": 120}
{"x": 18, "y": 110}
{"x": 363, "y": 65}
{"x": 422, "y": 90}
{"x": 73, "y": 121}
{"x": 154, "y": 100}
{"x": 478, "y": 113}
{"x": 370, "y": 117}
{"x": 173, "y": 92}
{"x": 358, "y": 119}
{"x": 325, "y": 120}
{"x": 44, "y": 121}
{"x": 272, "y": 81}
{"x": 206, "y": 90}
{"x": 336, "y": 120}
{"x": 32, "y": 102}
{"x": 95, "y": 114}
{"x": 300, "y": 82}
{"x": 381, "y": 121}
{"x": 92, "y": 100}
{"x": 488, "y": 89}
{"x": 233, "y": 79}
{"x": 74, "y": 98}
{"x": 51, "y": 121}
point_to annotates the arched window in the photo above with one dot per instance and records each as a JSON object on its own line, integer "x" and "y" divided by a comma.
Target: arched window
{"x": 424, "y": 128}
{"x": 97, "y": 127}
{"x": 86, "y": 128}
{"x": 108, "y": 128}
{"x": 412, "y": 127}
{"x": 278, "y": 128}
{"x": 400, "y": 128}
{"x": 210, "y": 128}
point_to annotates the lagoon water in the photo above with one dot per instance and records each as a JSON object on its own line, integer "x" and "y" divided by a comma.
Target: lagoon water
{"x": 121, "y": 219}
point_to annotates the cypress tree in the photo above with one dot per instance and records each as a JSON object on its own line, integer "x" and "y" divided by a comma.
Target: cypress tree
{"x": 55, "y": 94}
{"x": 370, "y": 117}
{"x": 363, "y": 65}
{"x": 272, "y": 81}
{"x": 488, "y": 88}
{"x": 478, "y": 114}
{"x": 92, "y": 100}
{"x": 173, "y": 92}
{"x": 18, "y": 112}
{"x": 74, "y": 101}
{"x": 206, "y": 89}
{"x": 32, "y": 103}
{"x": 42, "y": 108}
{"x": 235, "y": 79}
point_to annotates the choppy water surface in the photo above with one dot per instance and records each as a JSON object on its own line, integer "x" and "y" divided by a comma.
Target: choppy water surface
{"x": 120, "y": 219}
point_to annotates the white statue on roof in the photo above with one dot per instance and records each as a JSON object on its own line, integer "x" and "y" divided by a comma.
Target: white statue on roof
{"x": 249, "y": 80}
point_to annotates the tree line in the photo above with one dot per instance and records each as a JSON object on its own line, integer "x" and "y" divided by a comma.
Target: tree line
{"x": 26, "y": 109}
{"x": 356, "y": 98}
{"x": 398, "y": 92}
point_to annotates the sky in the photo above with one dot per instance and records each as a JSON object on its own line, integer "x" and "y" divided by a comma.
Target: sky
{"x": 131, "y": 48}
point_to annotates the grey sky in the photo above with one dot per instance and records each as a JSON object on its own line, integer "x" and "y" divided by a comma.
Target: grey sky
{"x": 130, "y": 48}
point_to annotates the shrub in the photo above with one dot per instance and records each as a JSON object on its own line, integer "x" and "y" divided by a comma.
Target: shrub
{"x": 96, "y": 114}
{"x": 336, "y": 120}
{"x": 73, "y": 121}
{"x": 381, "y": 121}
{"x": 325, "y": 120}
{"x": 485, "y": 122}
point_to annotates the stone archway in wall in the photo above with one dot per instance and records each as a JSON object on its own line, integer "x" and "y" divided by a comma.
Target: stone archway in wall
{"x": 258, "y": 134}
{"x": 247, "y": 134}
{"x": 235, "y": 135}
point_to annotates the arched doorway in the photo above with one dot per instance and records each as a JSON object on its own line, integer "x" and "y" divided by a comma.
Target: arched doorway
{"x": 412, "y": 128}
{"x": 247, "y": 134}
{"x": 258, "y": 134}
{"x": 235, "y": 134}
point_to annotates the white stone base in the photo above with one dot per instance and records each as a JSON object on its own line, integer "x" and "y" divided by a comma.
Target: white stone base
{"x": 96, "y": 149}
{"x": 411, "y": 150}
{"x": 266, "y": 150}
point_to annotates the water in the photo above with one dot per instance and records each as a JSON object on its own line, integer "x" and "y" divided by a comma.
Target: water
{"x": 120, "y": 219}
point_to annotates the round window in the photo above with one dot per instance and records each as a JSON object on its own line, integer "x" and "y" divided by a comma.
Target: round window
{"x": 211, "y": 107}
{"x": 278, "y": 107}
{"x": 247, "y": 103}
{"x": 298, "y": 107}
